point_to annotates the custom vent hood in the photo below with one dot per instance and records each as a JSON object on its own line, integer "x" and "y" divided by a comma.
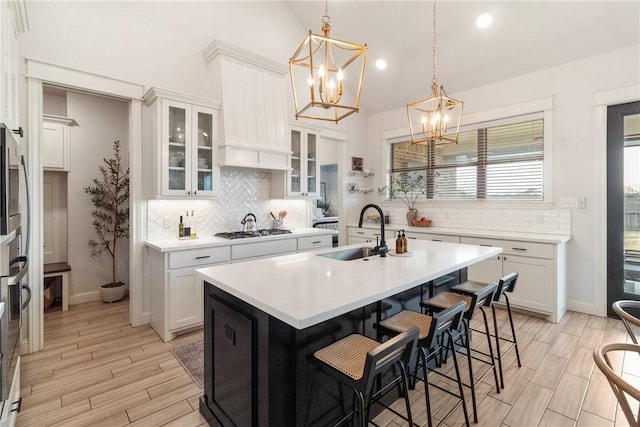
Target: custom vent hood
{"x": 254, "y": 108}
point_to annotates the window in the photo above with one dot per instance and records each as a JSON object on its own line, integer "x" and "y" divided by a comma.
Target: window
{"x": 499, "y": 161}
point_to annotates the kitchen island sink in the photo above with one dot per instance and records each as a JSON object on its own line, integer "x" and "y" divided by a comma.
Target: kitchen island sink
{"x": 351, "y": 254}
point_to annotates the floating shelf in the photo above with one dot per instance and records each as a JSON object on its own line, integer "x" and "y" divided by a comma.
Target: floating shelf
{"x": 361, "y": 173}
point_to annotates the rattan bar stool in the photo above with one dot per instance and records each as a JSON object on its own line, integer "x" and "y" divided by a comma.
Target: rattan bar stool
{"x": 435, "y": 331}
{"x": 621, "y": 309}
{"x": 480, "y": 299}
{"x": 506, "y": 284}
{"x": 356, "y": 360}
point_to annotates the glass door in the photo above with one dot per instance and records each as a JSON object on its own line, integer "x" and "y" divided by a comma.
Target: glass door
{"x": 623, "y": 203}
{"x": 177, "y": 144}
{"x": 204, "y": 151}
{"x": 294, "y": 177}
{"x": 312, "y": 163}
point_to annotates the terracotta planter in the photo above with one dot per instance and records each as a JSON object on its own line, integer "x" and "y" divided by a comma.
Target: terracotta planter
{"x": 109, "y": 293}
{"x": 411, "y": 215}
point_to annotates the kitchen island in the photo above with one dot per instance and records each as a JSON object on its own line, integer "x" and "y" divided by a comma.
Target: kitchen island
{"x": 262, "y": 321}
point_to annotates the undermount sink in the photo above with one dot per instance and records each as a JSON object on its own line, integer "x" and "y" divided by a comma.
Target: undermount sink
{"x": 351, "y": 254}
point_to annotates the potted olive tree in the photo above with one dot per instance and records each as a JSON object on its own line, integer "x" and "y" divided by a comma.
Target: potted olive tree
{"x": 408, "y": 187}
{"x": 110, "y": 198}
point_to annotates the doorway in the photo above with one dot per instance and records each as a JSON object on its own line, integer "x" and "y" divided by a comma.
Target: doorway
{"x": 623, "y": 203}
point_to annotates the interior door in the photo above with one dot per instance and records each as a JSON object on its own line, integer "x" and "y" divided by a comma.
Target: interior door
{"x": 623, "y": 203}
{"x": 54, "y": 217}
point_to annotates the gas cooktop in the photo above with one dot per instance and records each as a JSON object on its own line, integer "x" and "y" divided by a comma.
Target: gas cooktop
{"x": 259, "y": 233}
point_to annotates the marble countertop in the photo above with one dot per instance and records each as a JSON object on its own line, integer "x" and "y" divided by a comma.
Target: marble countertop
{"x": 489, "y": 234}
{"x": 305, "y": 289}
{"x": 169, "y": 245}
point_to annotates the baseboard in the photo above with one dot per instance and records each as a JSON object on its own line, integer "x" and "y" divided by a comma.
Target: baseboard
{"x": 582, "y": 307}
{"x": 24, "y": 346}
{"x": 145, "y": 318}
{"x": 84, "y": 297}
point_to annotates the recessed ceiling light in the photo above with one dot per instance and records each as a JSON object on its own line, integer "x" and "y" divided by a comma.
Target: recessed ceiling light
{"x": 484, "y": 20}
{"x": 381, "y": 64}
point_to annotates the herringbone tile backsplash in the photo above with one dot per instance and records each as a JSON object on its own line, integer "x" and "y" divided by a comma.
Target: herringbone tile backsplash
{"x": 241, "y": 191}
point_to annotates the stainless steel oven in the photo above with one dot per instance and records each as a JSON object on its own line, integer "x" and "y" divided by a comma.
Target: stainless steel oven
{"x": 10, "y": 166}
{"x": 13, "y": 279}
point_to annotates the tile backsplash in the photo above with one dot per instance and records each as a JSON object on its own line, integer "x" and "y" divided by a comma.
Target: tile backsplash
{"x": 546, "y": 221}
{"x": 241, "y": 191}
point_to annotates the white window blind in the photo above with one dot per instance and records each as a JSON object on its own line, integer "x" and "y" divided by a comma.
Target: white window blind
{"x": 492, "y": 162}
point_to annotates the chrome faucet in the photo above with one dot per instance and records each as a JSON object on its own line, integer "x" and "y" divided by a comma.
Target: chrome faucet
{"x": 382, "y": 248}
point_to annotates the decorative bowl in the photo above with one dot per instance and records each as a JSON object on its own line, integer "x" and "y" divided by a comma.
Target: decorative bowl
{"x": 418, "y": 223}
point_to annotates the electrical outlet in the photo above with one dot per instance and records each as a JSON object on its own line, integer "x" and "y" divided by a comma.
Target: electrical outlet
{"x": 573, "y": 202}
{"x": 167, "y": 223}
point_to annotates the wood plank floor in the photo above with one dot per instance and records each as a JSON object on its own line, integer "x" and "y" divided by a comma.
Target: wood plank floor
{"x": 96, "y": 369}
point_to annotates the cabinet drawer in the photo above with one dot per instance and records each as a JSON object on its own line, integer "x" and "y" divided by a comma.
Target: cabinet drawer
{"x": 434, "y": 237}
{"x": 364, "y": 232}
{"x": 310, "y": 243}
{"x": 513, "y": 247}
{"x": 259, "y": 249}
{"x": 197, "y": 257}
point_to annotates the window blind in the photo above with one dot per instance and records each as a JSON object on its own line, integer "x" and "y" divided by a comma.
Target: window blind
{"x": 492, "y": 162}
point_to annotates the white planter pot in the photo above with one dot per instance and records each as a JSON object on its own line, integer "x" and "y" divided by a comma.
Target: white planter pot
{"x": 113, "y": 294}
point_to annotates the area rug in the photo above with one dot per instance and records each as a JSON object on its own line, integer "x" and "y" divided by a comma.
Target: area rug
{"x": 191, "y": 357}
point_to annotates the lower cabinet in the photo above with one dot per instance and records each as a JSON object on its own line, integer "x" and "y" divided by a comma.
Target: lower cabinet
{"x": 176, "y": 292}
{"x": 541, "y": 284}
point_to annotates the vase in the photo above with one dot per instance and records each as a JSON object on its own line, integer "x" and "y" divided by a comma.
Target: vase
{"x": 411, "y": 215}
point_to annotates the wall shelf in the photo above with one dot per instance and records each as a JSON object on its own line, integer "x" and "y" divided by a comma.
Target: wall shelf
{"x": 365, "y": 174}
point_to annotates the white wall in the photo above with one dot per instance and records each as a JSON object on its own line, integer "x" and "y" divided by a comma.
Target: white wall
{"x": 572, "y": 85}
{"x": 101, "y": 121}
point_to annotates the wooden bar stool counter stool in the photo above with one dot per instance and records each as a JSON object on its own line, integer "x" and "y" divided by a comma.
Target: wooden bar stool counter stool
{"x": 621, "y": 308}
{"x": 355, "y": 361}
{"x": 483, "y": 297}
{"x": 435, "y": 333}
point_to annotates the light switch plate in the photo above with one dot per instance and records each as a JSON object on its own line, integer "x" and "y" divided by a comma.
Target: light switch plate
{"x": 166, "y": 223}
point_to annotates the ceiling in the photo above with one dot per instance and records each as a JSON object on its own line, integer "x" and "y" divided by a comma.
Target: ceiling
{"x": 525, "y": 36}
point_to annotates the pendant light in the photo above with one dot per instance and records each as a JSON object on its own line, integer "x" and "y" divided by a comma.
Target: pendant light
{"x": 328, "y": 73}
{"x": 435, "y": 120}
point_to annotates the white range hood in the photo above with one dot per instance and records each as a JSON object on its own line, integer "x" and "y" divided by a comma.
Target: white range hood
{"x": 253, "y": 90}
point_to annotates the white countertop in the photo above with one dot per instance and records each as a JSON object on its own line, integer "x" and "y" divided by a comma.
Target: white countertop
{"x": 176, "y": 244}
{"x": 306, "y": 289}
{"x": 467, "y": 232}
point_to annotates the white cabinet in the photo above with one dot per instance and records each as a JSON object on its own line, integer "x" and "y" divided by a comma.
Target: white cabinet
{"x": 364, "y": 235}
{"x": 303, "y": 180}
{"x": 175, "y": 291}
{"x": 180, "y": 133}
{"x": 432, "y": 237}
{"x": 312, "y": 243}
{"x": 541, "y": 282}
{"x": 255, "y": 250}
{"x": 56, "y": 147}
{"x": 13, "y": 21}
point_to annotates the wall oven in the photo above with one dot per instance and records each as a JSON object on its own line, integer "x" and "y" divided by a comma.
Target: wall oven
{"x": 13, "y": 280}
{"x": 9, "y": 181}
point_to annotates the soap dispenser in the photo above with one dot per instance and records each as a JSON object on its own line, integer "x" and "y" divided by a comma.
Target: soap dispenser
{"x": 399, "y": 245}
{"x": 404, "y": 242}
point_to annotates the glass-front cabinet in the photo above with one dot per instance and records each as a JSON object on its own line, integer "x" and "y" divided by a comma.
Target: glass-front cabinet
{"x": 188, "y": 149}
{"x": 303, "y": 178}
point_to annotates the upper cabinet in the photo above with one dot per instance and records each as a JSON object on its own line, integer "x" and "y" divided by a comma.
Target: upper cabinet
{"x": 13, "y": 22}
{"x": 302, "y": 180}
{"x": 55, "y": 142}
{"x": 253, "y": 90}
{"x": 180, "y": 133}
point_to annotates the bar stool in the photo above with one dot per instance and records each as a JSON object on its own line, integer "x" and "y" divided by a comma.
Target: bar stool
{"x": 621, "y": 308}
{"x": 355, "y": 361}
{"x": 479, "y": 299}
{"x": 432, "y": 329}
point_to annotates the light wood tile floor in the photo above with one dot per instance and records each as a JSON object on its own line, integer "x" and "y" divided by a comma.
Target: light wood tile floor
{"x": 96, "y": 369}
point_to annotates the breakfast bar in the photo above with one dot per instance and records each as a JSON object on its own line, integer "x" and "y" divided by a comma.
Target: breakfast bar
{"x": 263, "y": 319}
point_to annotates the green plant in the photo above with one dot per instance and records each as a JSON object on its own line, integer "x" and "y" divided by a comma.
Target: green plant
{"x": 110, "y": 198}
{"x": 406, "y": 186}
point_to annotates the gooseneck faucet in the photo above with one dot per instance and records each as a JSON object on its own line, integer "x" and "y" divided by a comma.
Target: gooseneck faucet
{"x": 382, "y": 248}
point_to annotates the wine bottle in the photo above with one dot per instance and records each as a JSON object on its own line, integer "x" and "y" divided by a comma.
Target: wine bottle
{"x": 181, "y": 228}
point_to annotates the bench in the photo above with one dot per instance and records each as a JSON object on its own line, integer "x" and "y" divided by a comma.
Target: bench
{"x": 61, "y": 269}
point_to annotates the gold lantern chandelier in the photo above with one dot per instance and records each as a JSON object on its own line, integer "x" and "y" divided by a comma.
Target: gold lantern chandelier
{"x": 435, "y": 119}
{"x": 327, "y": 89}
